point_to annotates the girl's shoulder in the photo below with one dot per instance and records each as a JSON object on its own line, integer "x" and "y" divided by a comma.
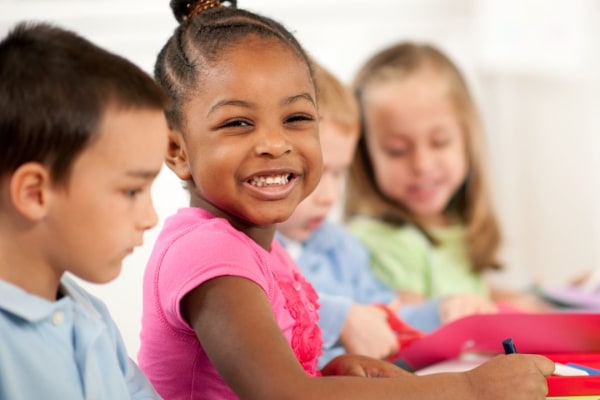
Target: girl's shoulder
{"x": 379, "y": 235}
{"x": 194, "y": 231}
{"x": 365, "y": 225}
{"x": 195, "y": 246}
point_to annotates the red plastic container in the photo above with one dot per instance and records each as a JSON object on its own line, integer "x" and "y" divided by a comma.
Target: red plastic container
{"x": 575, "y": 385}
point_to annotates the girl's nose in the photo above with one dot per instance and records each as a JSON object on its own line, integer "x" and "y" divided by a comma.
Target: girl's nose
{"x": 272, "y": 143}
{"x": 422, "y": 159}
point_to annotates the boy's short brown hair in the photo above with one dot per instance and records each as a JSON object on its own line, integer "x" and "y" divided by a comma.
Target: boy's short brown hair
{"x": 55, "y": 87}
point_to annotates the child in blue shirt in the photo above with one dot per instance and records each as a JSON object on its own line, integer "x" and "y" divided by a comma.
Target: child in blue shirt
{"x": 337, "y": 264}
{"x": 82, "y": 136}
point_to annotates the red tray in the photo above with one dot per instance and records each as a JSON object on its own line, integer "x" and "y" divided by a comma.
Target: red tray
{"x": 575, "y": 385}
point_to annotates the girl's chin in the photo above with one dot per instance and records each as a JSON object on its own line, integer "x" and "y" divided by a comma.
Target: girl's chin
{"x": 269, "y": 219}
{"x": 428, "y": 214}
{"x": 432, "y": 219}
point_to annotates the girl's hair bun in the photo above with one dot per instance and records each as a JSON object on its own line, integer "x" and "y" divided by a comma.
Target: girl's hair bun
{"x": 185, "y": 9}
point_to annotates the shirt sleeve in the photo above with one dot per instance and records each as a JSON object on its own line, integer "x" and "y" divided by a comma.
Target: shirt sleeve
{"x": 198, "y": 257}
{"x": 138, "y": 385}
{"x": 333, "y": 311}
{"x": 424, "y": 316}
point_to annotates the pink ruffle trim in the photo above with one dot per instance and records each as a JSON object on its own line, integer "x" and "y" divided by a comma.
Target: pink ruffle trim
{"x": 302, "y": 303}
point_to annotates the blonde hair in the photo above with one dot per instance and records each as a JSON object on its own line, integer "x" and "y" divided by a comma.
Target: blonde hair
{"x": 336, "y": 100}
{"x": 471, "y": 203}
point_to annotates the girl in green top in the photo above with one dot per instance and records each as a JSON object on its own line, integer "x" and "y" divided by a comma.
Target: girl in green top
{"x": 417, "y": 193}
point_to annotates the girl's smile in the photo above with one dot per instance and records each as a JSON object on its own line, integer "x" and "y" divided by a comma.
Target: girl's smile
{"x": 417, "y": 144}
{"x": 272, "y": 185}
{"x": 423, "y": 191}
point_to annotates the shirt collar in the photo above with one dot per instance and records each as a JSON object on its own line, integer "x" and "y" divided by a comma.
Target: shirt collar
{"x": 293, "y": 247}
{"x": 18, "y": 302}
{"x": 29, "y": 307}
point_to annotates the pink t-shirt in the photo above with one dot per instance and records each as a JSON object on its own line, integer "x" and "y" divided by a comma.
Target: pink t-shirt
{"x": 194, "y": 247}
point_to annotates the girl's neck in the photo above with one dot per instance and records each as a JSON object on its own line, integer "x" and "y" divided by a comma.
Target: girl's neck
{"x": 434, "y": 221}
{"x": 262, "y": 234}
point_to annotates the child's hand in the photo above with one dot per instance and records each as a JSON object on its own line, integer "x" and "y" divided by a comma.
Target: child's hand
{"x": 367, "y": 332}
{"x": 407, "y": 297}
{"x": 520, "y": 301}
{"x": 357, "y": 365}
{"x": 515, "y": 377}
{"x": 462, "y": 305}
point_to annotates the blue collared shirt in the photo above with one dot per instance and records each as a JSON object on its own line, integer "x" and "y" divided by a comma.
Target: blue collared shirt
{"x": 68, "y": 349}
{"x": 337, "y": 265}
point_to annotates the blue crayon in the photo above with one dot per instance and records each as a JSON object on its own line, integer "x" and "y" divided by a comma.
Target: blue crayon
{"x": 589, "y": 370}
{"x": 509, "y": 346}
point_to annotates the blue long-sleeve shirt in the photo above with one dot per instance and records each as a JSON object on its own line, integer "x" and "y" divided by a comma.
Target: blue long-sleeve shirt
{"x": 337, "y": 265}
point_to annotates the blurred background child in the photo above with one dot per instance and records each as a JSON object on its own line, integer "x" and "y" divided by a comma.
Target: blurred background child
{"x": 82, "y": 136}
{"x": 325, "y": 253}
{"x": 336, "y": 263}
{"x": 418, "y": 194}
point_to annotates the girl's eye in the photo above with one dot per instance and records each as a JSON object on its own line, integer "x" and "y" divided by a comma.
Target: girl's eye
{"x": 396, "y": 152}
{"x": 300, "y": 118}
{"x": 442, "y": 137}
{"x": 234, "y": 123}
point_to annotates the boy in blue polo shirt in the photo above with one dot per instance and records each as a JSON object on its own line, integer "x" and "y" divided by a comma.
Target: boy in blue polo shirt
{"x": 82, "y": 137}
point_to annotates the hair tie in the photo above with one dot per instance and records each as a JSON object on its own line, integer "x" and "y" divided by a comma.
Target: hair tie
{"x": 206, "y": 4}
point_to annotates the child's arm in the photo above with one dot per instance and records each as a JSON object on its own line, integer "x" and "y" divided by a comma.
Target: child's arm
{"x": 431, "y": 314}
{"x": 521, "y": 300}
{"x": 138, "y": 385}
{"x": 461, "y": 305}
{"x": 233, "y": 319}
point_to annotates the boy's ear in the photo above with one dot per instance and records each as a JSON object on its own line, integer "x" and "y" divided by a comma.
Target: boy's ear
{"x": 30, "y": 188}
{"x": 177, "y": 157}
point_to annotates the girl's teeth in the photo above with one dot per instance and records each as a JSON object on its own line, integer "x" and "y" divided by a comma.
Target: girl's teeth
{"x": 270, "y": 180}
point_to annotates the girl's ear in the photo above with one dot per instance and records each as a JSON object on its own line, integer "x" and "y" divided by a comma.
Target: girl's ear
{"x": 177, "y": 157}
{"x": 30, "y": 190}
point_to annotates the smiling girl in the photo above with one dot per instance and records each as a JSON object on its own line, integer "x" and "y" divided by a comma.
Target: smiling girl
{"x": 227, "y": 314}
{"x": 418, "y": 193}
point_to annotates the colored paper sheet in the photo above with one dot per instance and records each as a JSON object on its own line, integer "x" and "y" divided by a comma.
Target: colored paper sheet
{"x": 556, "y": 332}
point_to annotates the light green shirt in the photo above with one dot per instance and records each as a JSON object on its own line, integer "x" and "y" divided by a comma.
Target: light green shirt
{"x": 403, "y": 258}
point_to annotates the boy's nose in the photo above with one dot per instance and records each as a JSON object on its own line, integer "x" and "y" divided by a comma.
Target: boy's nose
{"x": 148, "y": 217}
{"x": 327, "y": 191}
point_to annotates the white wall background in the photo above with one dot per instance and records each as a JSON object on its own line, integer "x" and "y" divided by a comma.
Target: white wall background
{"x": 532, "y": 64}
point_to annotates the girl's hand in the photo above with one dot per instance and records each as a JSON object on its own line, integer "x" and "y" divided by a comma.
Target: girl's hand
{"x": 515, "y": 377}
{"x": 462, "y": 305}
{"x": 356, "y": 365}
